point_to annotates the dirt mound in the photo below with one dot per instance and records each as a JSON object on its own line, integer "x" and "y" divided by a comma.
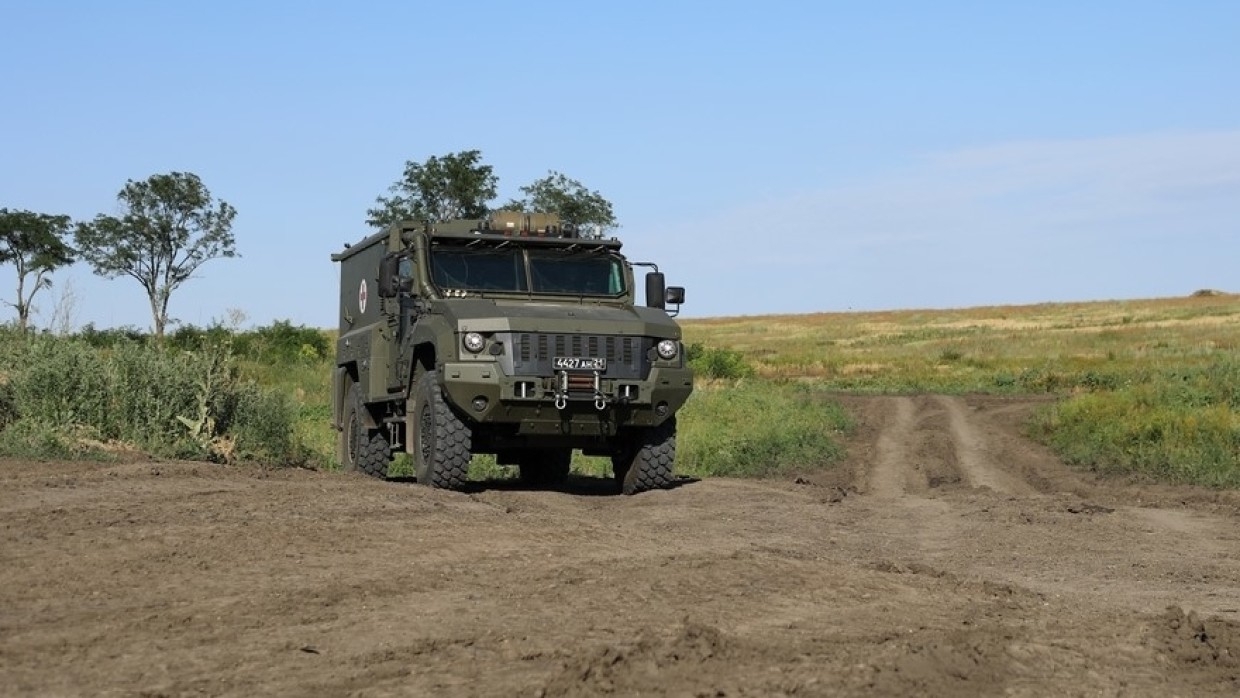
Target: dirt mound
{"x": 1187, "y": 639}
{"x": 948, "y": 556}
{"x": 1205, "y": 652}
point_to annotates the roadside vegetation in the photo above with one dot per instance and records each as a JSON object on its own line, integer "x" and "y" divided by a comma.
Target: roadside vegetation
{"x": 737, "y": 424}
{"x": 1150, "y": 387}
{"x": 1179, "y": 424}
{"x": 749, "y": 428}
{"x": 262, "y": 395}
{"x": 107, "y": 394}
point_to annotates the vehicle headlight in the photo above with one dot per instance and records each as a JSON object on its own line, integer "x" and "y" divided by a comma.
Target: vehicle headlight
{"x": 667, "y": 349}
{"x": 474, "y": 342}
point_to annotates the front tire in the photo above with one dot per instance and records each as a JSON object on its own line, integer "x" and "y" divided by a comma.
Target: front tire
{"x": 647, "y": 459}
{"x": 443, "y": 441}
{"x": 363, "y": 449}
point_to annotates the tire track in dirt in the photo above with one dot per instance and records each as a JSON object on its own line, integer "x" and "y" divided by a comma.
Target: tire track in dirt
{"x": 908, "y": 464}
{"x": 929, "y": 444}
{"x": 954, "y": 485}
{"x": 973, "y": 455}
{"x": 887, "y": 477}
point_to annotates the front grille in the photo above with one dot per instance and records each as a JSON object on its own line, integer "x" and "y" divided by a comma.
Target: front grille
{"x": 626, "y": 356}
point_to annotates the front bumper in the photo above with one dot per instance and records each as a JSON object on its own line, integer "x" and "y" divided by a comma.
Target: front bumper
{"x": 579, "y": 402}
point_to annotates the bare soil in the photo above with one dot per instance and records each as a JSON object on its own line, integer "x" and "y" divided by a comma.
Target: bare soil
{"x": 949, "y": 556}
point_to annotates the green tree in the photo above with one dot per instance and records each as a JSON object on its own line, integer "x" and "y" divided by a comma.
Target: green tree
{"x": 570, "y": 199}
{"x": 169, "y": 227}
{"x": 456, "y": 185}
{"x": 35, "y": 244}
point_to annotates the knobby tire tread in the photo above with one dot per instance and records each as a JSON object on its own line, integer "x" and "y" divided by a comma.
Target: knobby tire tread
{"x": 453, "y": 440}
{"x": 653, "y": 461}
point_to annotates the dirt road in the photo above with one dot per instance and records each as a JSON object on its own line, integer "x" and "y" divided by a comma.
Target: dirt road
{"x": 948, "y": 556}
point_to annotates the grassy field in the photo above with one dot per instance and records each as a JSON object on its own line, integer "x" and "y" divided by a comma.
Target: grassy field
{"x": 1149, "y": 386}
{"x": 1007, "y": 349}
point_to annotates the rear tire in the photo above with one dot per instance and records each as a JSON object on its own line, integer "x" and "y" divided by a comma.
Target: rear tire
{"x": 442, "y": 443}
{"x": 545, "y": 467}
{"x": 363, "y": 449}
{"x": 646, "y": 462}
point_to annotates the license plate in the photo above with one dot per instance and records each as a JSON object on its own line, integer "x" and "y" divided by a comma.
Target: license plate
{"x": 579, "y": 363}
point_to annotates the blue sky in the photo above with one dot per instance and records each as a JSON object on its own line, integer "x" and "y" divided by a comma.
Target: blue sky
{"x": 774, "y": 157}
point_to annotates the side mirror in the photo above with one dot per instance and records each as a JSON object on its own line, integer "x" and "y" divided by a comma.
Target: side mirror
{"x": 675, "y": 295}
{"x": 656, "y": 294}
{"x": 389, "y": 278}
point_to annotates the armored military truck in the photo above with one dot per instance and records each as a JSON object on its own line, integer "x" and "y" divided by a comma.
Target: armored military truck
{"x": 517, "y": 336}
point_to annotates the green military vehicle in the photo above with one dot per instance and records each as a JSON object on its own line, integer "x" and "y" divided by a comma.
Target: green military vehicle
{"x": 515, "y": 336}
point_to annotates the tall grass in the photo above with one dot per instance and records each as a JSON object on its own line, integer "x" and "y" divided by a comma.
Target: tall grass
{"x": 67, "y": 395}
{"x": 754, "y": 428}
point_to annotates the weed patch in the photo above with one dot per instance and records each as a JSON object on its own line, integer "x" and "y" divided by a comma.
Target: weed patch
{"x": 1178, "y": 425}
{"x": 750, "y": 428}
{"x": 718, "y": 362}
{"x": 160, "y": 400}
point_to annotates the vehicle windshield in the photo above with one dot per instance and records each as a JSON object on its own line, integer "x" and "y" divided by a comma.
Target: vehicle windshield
{"x": 478, "y": 269}
{"x": 578, "y": 273}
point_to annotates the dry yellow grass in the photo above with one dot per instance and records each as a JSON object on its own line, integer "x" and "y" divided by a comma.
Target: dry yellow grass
{"x": 994, "y": 348}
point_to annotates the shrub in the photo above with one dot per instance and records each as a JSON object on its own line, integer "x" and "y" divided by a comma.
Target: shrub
{"x": 110, "y": 337}
{"x": 282, "y": 341}
{"x": 716, "y": 362}
{"x": 264, "y": 426}
{"x": 193, "y": 338}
